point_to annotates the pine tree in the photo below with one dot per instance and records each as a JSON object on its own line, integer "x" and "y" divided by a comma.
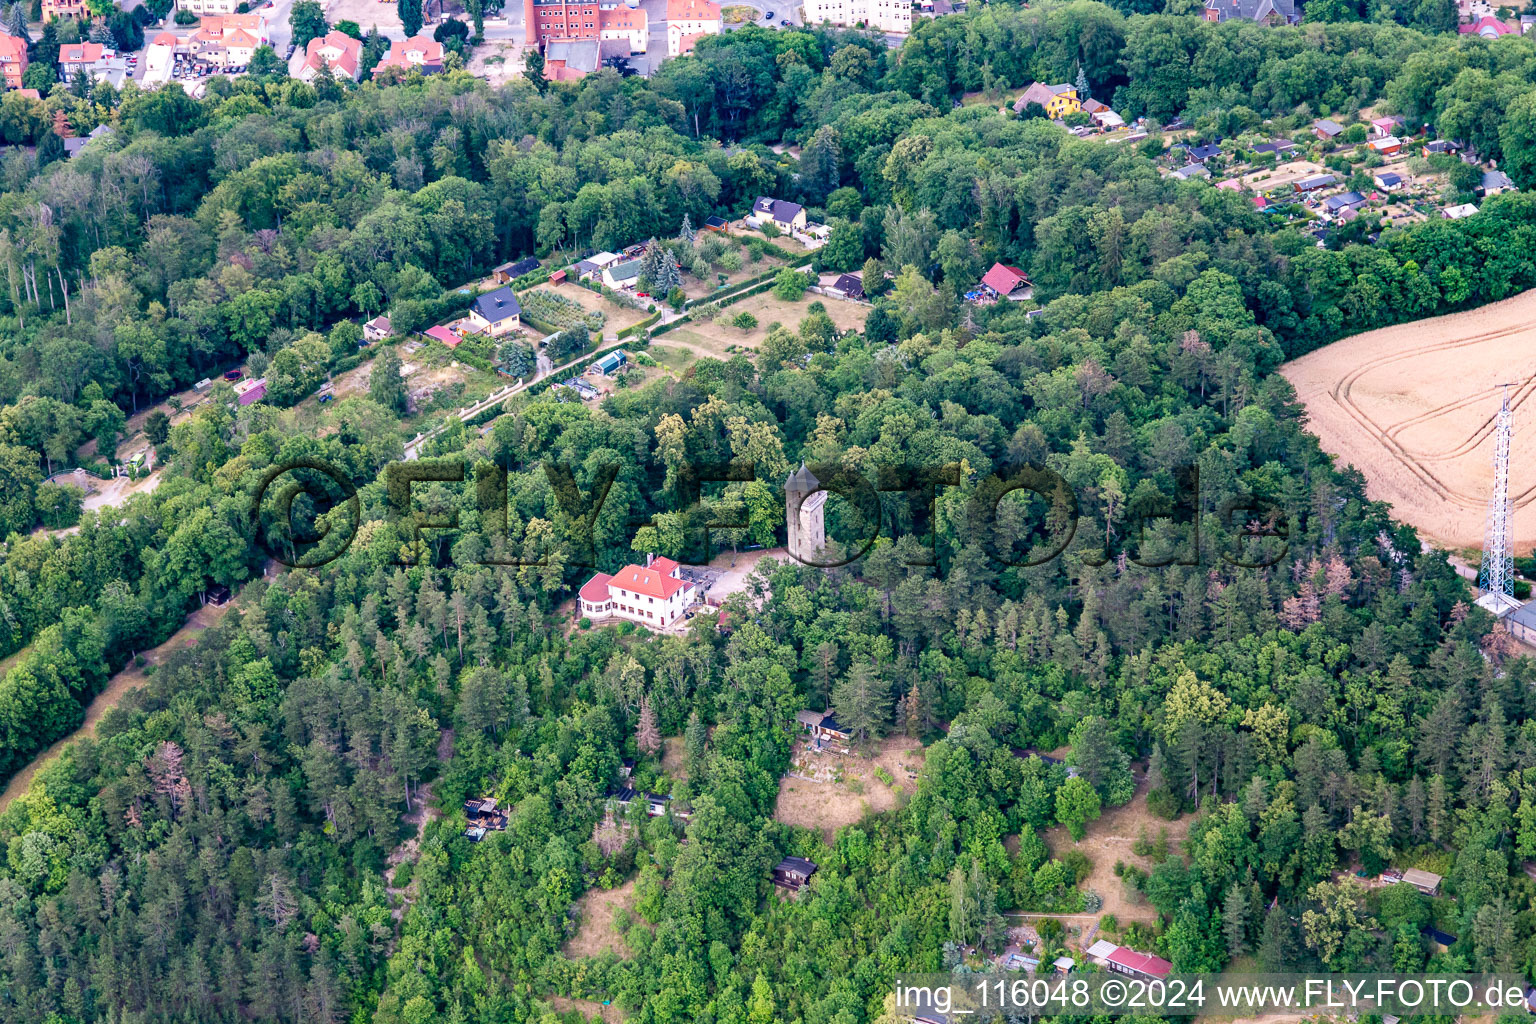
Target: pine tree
{"x": 1082, "y": 83}
{"x": 647, "y": 735}
{"x": 862, "y": 700}
{"x": 1234, "y": 921}
{"x": 686, "y": 232}
{"x": 668, "y": 274}
{"x": 16, "y": 22}
{"x": 650, "y": 265}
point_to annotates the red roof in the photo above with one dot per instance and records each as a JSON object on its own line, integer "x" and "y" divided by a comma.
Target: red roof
{"x": 1260, "y": 202}
{"x": 663, "y": 565}
{"x": 596, "y": 588}
{"x": 1144, "y": 963}
{"x": 443, "y": 335}
{"x": 649, "y": 580}
{"x": 80, "y": 53}
{"x": 1004, "y": 279}
{"x": 1487, "y": 23}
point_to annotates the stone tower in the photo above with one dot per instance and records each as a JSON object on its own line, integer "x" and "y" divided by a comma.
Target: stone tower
{"x": 804, "y": 503}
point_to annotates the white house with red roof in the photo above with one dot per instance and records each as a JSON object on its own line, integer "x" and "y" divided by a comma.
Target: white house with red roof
{"x": 654, "y": 594}
{"x": 420, "y": 51}
{"x": 688, "y": 21}
{"x": 335, "y": 50}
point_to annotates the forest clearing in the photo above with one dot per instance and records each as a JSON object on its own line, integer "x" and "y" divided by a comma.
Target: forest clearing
{"x": 826, "y": 791}
{"x": 596, "y": 933}
{"x": 1413, "y": 407}
{"x": 1111, "y": 839}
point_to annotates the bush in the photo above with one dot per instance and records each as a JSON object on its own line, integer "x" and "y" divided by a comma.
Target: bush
{"x": 789, "y": 285}
{"x": 185, "y": 17}
{"x": 744, "y": 320}
{"x": 1163, "y": 804}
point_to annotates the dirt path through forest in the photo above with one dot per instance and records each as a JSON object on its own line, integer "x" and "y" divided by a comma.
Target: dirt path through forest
{"x": 109, "y": 698}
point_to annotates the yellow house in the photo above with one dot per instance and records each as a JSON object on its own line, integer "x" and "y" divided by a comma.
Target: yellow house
{"x": 1058, "y": 100}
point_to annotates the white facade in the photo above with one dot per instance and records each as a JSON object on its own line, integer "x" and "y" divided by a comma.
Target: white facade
{"x": 881, "y": 15}
{"x": 653, "y": 595}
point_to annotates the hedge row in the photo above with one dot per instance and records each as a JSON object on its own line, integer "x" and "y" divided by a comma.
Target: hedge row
{"x": 636, "y": 328}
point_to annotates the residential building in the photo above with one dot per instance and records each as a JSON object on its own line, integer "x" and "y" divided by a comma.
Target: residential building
{"x": 1487, "y": 27}
{"x": 1439, "y": 146}
{"x": 229, "y": 40}
{"x": 509, "y": 272}
{"x": 1280, "y": 148}
{"x": 336, "y": 52}
{"x": 202, "y": 7}
{"x": 13, "y": 60}
{"x": 786, "y": 216}
{"x": 1316, "y": 182}
{"x": 1137, "y": 965}
{"x": 1005, "y": 282}
{"x": 77, "y": 57}
{"x": 559, "y": 19}
{"x": 1426, "y": 882}
{"x": 793, "y": 873}
{"x": 1388, "y": 181}
{"x": 1344, "y": 201}
{"x": 653, "y": 595}
{"x": 73, "y": 146}
{"x": 1057, "y": 100}
{"x": 1099, "y": 952}
{"x": 1384, "y": 126}
{"x": 376, "y": 329}
{"x": 1265, "y": 12}
{"x": 849, "y": 286}
{"x": 1458, "y": 212}
{"x": 1495, "y": 182}
{"x": 824, "y": 730}
{"x": 594, "y": 265}
{"x": 1191, "y": 171}
{"x": 1326, "y": 128}
{"x": 1387, "y": 145}
{"x": 71, "y": 10}
{"x": 880, "y": 15}
{"x": 688, "y": 21}
{"x": 1200, "y": 154}
{"x": 623, "y": 23}
{"x": 622, "y": 276}
{"x": 1527, "y": 21}
{"x": 549, "y": 20}
{"x": 496, "y": 313}
{"x": 113, "y": 70}
{"x": 421, "y": 52}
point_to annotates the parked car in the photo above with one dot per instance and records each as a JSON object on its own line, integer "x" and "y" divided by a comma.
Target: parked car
{"x": 784, "y": 21}
{"x": 769, "y": 16}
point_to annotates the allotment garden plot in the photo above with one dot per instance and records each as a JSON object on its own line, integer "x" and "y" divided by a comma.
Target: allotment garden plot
{"x": 1413, "y": 408}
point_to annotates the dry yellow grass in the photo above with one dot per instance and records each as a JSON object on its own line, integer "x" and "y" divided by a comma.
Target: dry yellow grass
{"x": 1413, "y": 408}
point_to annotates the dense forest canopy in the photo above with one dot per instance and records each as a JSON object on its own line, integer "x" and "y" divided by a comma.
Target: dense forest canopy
{"x": 222, "y": 849}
